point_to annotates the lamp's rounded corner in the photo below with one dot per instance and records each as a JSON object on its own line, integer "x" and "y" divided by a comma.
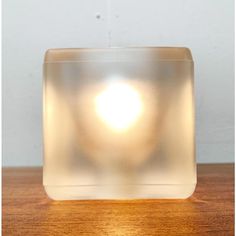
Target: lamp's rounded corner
{"x": 50, "y": 193}
{"x": 190, "y": 191}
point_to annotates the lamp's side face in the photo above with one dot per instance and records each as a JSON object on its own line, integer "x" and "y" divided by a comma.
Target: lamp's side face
{"x": 118, "y": 128}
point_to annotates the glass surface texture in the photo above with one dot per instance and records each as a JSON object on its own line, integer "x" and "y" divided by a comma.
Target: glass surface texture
{"x": 118, "y": 123}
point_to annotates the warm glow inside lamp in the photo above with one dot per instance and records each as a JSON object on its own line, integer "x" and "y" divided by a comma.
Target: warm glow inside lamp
{"x": 119, "y": 106}
{"x": 119, "y": 123}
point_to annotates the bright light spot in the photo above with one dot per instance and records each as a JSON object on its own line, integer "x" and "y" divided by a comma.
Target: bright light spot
{"x": 119, "y": 106}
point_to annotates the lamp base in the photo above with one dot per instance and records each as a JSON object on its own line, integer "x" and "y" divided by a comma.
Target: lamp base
{"x": 92, "y": 192}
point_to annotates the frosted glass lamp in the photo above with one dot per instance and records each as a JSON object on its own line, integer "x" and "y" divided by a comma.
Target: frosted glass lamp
{"x": 118, "y": 123}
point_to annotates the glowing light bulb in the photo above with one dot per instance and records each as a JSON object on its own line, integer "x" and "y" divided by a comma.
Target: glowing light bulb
{"x": 119, "y": 106}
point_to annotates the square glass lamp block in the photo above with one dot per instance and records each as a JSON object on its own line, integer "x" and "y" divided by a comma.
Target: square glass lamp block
{"x": 118, "y": 123}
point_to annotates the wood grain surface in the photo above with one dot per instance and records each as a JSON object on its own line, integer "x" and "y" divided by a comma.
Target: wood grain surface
{"x": 28, "y": 211}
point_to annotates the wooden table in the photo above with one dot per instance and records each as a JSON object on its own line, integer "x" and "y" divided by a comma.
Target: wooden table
{"x": 28, "y": 211}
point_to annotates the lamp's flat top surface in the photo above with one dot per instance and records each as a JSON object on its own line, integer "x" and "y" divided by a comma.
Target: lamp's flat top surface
{"x": 209, "y": 211}
{"x": 118, "y": 54}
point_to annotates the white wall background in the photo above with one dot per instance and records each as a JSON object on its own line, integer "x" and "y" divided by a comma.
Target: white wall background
{"x": 31, "y": 27}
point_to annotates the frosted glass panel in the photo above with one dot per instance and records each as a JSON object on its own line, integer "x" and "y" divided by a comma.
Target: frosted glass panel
{"x": 119, "y": 123}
